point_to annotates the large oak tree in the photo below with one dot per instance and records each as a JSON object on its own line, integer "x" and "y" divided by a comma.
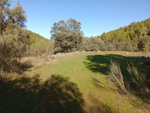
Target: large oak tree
{"x": 67, "y": 35}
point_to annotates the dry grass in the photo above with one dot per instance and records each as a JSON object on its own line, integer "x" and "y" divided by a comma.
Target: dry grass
{"x": 117, "y": 77}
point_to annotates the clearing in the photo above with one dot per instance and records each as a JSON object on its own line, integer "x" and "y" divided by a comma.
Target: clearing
{"x": 74, "y": 82}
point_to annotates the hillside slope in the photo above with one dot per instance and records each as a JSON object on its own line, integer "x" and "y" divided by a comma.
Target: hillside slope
{"x": 38, "y": 44}
{"x": 131, "y": 33}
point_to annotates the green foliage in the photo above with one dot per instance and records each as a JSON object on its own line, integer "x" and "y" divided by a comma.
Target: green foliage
{"x": 137, "y": 79}
{"x": 13, "y": 38}
{"x": 130, "y": 34}
{"x": 140, "y": 81}
{"x": 96, "y": 44}
{"x": 144, "y": 43}
{"x": 67, "y": 35}
{"x": 11, "y": 18}
{"x": 110, "y": 46}
{"x": 120, "y": 46}
{"x": 89, "y": 70}
{"x": 40, "y": 45}
{"x": 93, "y": 44}
{"x": 12, "y": 49}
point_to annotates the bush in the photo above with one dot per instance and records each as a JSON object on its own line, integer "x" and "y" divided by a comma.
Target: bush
{"x": 93, "y": 44}
{"x": 140, "y": 81}
{"x": 120, "y": 46}
{"x": 110, "y": 46}
{"x": 130, "y": 47}
{"x": 144, "y": 43}
{"x": 117, "y": 77}
{"x": 41, "y": 47}
{"x": 12, "y": 49}
{"x": 137, "y": 80}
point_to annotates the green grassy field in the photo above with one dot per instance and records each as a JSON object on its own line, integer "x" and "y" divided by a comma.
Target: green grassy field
{"x": 75, "y": 83}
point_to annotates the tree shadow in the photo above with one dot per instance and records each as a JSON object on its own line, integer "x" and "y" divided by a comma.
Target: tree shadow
{"x": 15, "y": 66}
{"x": 63, "y": 96}
{"x": 25, "y": 66}
{"x": 30, "y": 95}
{"x": 99, "y": 63}
{"x": 99, "y": 106}
{"x": 102, "y": 85}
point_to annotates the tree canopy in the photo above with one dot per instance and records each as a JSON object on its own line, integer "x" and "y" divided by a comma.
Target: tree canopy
{"x": 135, "y": 33}
{"x": 67, "y": 35}
{"x": 11, "y": 17}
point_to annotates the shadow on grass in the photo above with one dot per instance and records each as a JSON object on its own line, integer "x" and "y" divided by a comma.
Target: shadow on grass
{"x": 29, "y": 95}
{"x": 99, "y": 106}
{"x": 102, "y": 85}
{"x": 99, "y": 63}
{"x": 15, "y": 66}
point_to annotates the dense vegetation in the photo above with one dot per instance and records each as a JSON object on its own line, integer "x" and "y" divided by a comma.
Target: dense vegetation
{"x": 136, "y": 34}
{"x": 39, "y": 45}
{"x": 14, "y": 39}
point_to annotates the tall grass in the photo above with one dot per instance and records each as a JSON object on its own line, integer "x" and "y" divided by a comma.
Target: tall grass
{"x": 137, "y": 79}
{"x": 140, "y": 81}
{"x": 117, "y": 77}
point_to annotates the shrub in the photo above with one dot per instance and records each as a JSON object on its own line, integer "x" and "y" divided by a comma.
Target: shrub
{"x": 110, "y": 46}
{"x": 140, "y": 80}
{"x": 117, "y": 77}
{"x": 12, "y": 49}
{"x": 41, "y": 47}
{"x": 144, "y": 43}
{"x": 120, "y": 46}
{"x": 130, "y": 47}
{"x": 93, "y": 44}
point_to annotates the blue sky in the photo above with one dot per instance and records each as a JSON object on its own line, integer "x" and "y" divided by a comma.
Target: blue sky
{"x": 96, "y": 16}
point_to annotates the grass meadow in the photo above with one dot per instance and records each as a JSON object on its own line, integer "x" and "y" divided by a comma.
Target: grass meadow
{"x": 73, "y": 83}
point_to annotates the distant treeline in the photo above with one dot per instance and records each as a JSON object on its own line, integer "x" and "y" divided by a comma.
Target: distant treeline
{"x": 68, "y": 37}
{"x": 136, "y": 34}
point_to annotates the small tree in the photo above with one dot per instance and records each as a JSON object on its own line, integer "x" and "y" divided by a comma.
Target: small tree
{"x": 13, "y": 38}
{"x": 144, "y": 43}
{"x": 67, "y": 35}
{"x": 117, "y": 76}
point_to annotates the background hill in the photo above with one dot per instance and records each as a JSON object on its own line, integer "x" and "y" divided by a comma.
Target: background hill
{"x": 137, "y": 33}
{"x": 128, "y": 33}
{"x": 38, "y": 44}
